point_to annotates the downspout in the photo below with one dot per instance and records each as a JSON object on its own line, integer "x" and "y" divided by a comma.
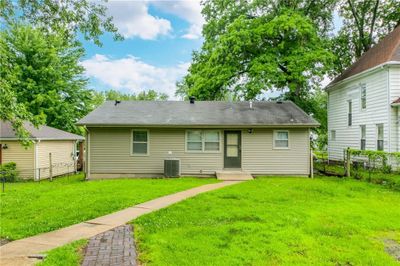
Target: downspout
{"x": 87, "y": 164}
{"x": 36, "y": 161}
{"x": 389, "y": 112}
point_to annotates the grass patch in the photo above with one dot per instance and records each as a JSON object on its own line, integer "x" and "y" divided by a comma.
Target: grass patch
{"x": 30, "y": 208}
{"x": 68, "y": 255}
{"x": 274, "y": 221}
{"x": 391, "y": 180}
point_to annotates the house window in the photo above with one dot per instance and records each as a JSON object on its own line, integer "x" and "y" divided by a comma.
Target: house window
{"x": 203, "y": 140}
{"x": 333, "y": 135}
{"x": 281, "y": 139}
{"x": 350, "y": 115}
{"x": 363, "y": 96}
{"x": 379, "y": 144}
{"x": 211, "y": 140}
{"x": 363, "y": 137}
{"x": 140, "y": 142}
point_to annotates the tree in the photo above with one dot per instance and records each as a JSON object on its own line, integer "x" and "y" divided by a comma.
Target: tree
{"x": 364, "y": 23}
{"x": 67, "y": 17}
{"x": 254, "y": 55}
{"x": 44, "y": 79}
{"x": 111, "y": 95}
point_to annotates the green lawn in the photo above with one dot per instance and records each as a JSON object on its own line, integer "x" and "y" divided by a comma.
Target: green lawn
{"x": 30, "y": 208}
{"x": 275, "y": 221}
{"x": 68, "y": 255}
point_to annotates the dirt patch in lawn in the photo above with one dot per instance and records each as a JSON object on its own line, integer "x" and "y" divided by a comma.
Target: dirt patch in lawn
{"x": 392, "y": 247}
{"x": 4, "y": 241}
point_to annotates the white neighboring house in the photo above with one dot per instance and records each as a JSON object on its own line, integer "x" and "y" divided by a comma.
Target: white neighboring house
{"x": 364, "y": 102}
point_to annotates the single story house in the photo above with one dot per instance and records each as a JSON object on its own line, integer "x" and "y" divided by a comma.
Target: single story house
{"x": 34, "y": 161}
{"x": 133, "y": 138}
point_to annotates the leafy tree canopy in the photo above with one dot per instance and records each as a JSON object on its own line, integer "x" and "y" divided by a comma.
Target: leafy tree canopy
{"x": 365, "y": 22}
{"x": 111, "y": 95}
{"x": 43, "y": 78}
{"x": 253, "y": 55}
{"x": 67, "y": 17}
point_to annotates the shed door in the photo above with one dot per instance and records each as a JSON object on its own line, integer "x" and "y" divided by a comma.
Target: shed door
{"x": 232, "y": 149}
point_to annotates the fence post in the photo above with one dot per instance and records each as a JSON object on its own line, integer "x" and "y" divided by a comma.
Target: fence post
{"x": 348, "y": 158}
{"x": 50, "y": 168}
{"x": 311, "y": 164}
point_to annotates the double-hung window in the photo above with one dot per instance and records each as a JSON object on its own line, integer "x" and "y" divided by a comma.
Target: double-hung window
{"x": 194, "y": 140}
{"x": 350, "y": 113}
{"x": 211, "y": 140}
{"x": 379, "y": 141}
{"x": 140, "y": 142}
{"x": 281, "y": 139}
{"x": 203, "y": 140}
{"x": 363, "y": 137}
{"x": 363, "y": 98}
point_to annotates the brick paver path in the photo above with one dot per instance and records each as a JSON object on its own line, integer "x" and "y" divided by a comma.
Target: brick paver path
{"x": 19, "y": 250}
{"x": 113, "y": 247}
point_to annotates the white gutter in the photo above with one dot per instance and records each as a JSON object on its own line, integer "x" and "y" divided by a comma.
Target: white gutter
{"x": 361, "y": 74}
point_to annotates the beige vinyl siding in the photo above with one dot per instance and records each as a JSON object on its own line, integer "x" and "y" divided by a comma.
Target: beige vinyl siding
{"x": 24, "y": 158}
{"x": 259, "y": 156}
{"x": 375, "y": 113}
{"x": 61, "y": 153}
{"x": 110, "y": 153}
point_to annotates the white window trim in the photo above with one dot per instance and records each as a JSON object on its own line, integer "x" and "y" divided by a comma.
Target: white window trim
{"x": 203, "y": 141}
{"x": 148, "y": 143}
{"x": 363, "y": 86}
{"x": 361, "y": 136}
{"x": 274, "y": 139}
{"x": 350, "y": 102}
{"x": 377, "y": 136}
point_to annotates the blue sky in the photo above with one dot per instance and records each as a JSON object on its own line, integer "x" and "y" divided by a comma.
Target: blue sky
{"x": 159, "y": 39}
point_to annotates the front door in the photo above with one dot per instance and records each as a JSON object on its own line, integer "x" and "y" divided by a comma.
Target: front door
{"x": 232, "y": 149}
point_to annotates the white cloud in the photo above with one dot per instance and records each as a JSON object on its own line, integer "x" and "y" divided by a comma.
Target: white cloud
{"x": 133, "y": 20}
{"x": 133, "y": 74}
{"x": 189, "y": 10}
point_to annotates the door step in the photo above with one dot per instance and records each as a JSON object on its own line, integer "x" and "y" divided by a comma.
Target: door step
{"x": 233, "y": 175}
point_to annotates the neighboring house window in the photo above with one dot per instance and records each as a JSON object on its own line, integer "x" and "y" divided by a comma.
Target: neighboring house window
{"x": 203, "y": 140}
{"x": 363, "y": 137}
{"x": 363, "y": 96}
{"x": 333, "y": 135}
{"x": 379, "y": 144}
{"x": 281, "y": 139}
{"x": 350, "y": 113}
{"x": 140, "y": 142}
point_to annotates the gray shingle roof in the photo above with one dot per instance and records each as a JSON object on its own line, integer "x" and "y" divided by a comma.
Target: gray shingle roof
{"x": 43, "y": 132}
{"x": 201, "y": 113}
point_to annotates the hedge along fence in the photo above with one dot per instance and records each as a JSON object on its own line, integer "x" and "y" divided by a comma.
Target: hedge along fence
{"x": 372, "y": 160}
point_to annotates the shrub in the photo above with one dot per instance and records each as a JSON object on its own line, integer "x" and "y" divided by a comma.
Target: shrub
{"x": 9, "y": 171}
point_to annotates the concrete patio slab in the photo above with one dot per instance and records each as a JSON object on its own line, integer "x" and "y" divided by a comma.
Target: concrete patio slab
{"x": 17, "y": 252}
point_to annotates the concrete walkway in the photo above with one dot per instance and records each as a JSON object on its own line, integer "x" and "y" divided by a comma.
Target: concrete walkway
{"x": 17, "y": 252}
